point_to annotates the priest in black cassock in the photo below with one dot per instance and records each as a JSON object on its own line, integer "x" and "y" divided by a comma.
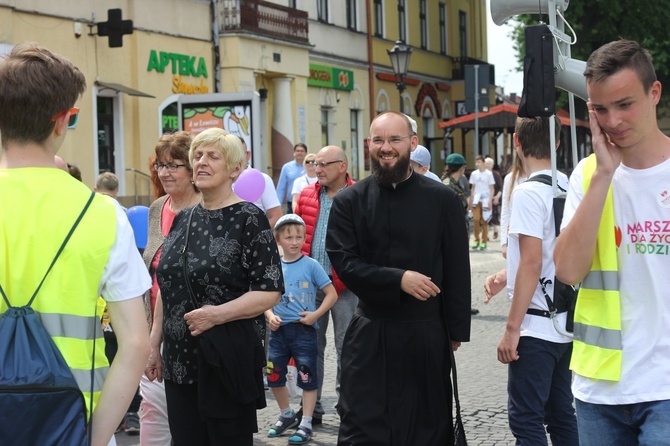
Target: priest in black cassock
{"x": 398, "y": 240}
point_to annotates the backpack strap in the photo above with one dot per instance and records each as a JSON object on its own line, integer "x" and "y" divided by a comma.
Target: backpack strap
{"x": 60, "y": 250}
{"x": 558, "y": 216}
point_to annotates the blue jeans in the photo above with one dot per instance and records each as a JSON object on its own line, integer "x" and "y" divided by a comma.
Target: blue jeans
{"x": 539, "y": 393}
{"x": 299, "y": 341}
{"x": 630, "y": 424}
{"x": 342, "y": 312}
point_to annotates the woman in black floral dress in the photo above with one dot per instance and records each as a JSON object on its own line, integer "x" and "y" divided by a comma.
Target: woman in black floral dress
{"x": 212, "y": 353}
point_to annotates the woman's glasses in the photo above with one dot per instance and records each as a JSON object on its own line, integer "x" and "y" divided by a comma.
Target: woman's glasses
{"x": 171, "y": 167}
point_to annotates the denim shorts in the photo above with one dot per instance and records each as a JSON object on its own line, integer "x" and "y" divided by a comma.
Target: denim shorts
{"x": 298, "y": 341}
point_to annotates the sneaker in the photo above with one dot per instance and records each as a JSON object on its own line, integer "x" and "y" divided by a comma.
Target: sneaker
{"x": 282, "y": 424}
{"x": 301, "y": 436}
{"x": 476, "y": 245}
{"x": 132, "y": 423}
{"x": 482, "y": 247}
{"x": 474, "y": 311}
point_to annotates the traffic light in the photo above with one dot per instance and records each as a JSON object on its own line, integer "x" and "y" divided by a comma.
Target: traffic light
{"x": 115, "y": 28}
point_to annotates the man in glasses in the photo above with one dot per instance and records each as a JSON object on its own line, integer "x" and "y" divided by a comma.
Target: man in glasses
{"x": 398, "y": 240}
{"x": 40, "y": 203}
{"x": 314, "y": 207}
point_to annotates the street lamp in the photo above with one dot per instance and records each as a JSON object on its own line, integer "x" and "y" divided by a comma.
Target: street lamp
{"x": 399, "y": 56}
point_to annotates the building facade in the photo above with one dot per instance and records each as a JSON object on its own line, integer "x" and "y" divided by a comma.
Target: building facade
{"x": 318, "y": 72}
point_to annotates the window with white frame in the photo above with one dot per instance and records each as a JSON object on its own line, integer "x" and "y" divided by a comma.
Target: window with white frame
{"x": 352, "y": 14}
{"x": 463, "y": 33}
{"x": 322, "y": 10}
{"x": 379, "y": 18}
{"x": 444, "y": 47}
{"x": 402, "y": 21}
{"x": 423, "y": 23}
{"x": 325, "y": 127}
{"x": 355, "y": 136}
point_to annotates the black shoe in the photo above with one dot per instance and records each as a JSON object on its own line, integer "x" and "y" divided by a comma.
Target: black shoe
{"x": 473, "y": 311}
{"x": 315, "y": 420}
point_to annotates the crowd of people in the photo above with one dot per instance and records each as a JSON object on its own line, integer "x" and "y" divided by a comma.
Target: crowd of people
{"x": 233, "y": 290}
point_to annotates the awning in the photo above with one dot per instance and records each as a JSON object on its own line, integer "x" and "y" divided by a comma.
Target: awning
{"x": 122, "y": 89}
{"x": 500, "y": 117}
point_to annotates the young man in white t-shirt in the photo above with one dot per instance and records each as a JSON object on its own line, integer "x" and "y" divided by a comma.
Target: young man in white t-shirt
{"x": 626, "y": 398}
{"x": 481, "y": 195}
{"x": 538, "y": 354}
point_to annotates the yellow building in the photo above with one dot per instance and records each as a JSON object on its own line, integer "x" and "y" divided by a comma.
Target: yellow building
{"x": 318, "y": 70}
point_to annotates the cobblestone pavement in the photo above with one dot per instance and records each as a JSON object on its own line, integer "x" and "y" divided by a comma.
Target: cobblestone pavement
{"x": 482, "y": 379}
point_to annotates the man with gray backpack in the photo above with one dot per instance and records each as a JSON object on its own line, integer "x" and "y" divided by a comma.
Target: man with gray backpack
{"x": 61, "y": 247}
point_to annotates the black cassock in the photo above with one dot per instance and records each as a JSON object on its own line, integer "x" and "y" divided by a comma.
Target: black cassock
{"x": 396, "y": 360}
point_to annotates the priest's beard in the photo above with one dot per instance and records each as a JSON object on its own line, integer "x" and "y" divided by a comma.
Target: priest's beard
{"x": 388, "y": 176}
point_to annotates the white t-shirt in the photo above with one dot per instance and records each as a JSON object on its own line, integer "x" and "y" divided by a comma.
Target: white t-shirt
{"x": 125, "y": 275}
{"x": 432, "y": 176}
{"x": 532, "y": 216}
{"x": 642, "y": 222}
{"x": 482, "y": 181}
{"x": 506, "y": 207}
{"x": 269, "y": 198}
{"x": 302, "y": 182}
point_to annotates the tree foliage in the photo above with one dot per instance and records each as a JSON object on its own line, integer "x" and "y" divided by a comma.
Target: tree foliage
{"x": 597, "y": 22}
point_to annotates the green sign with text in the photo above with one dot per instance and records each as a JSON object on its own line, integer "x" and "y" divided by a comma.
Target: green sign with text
{"x": 181, "y": 64}
{"x": 330, "y": 77}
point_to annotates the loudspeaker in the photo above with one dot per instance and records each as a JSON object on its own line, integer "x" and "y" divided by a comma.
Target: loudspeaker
{"x": 503, "y": 10}
{"x": 539, "y": 93}
{"x": 570, "y": 76}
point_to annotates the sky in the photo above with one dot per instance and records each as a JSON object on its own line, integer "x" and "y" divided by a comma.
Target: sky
{"x": 501, "y": 54}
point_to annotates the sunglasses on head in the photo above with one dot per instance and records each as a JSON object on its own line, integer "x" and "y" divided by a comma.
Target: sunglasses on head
{"x": 74, "y": 117}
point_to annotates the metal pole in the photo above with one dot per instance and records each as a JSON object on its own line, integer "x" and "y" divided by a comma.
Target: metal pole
{"x": 401, "y": 88}
{"x": 552, "y": 150}
{"x": 476, "y": 110}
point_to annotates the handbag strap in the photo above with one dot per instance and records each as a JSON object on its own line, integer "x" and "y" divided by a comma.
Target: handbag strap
{"x": 455, "y": 378}
{"x": 184, "y": 257}
{"x": 60, "y": 250}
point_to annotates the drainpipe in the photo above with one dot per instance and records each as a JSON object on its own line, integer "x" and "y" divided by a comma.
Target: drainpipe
{"x": 215, "y": 45}
{"x": 371, "y": 75}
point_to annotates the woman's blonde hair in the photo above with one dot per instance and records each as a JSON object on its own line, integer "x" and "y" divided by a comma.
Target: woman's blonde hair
{"x": 310, "y": 156}
{"x": 228, "y": 144}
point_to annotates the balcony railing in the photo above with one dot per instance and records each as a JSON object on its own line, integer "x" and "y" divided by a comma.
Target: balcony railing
{"x": 264, "y": 18}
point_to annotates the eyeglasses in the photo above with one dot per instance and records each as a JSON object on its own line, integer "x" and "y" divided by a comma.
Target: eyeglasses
{"x": 394, "y": 141}
{"x": 74, "y": 117}
{"x": 323, "y": 165}
{"x": 310, "y": 162}
{"x": 171, "y": 167}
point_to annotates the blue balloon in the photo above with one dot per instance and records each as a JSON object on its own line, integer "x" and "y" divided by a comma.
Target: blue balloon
{"x": 138, "y": 216}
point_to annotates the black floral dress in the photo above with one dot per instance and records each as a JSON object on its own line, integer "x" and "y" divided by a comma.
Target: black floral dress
{"x": 230, "y": 251}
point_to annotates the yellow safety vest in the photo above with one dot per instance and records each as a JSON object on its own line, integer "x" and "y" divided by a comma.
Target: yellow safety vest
{"x": 38, "y": 208}
{"x": 597, "y": 347}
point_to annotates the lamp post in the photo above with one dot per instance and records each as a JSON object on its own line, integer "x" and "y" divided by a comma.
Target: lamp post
{"x": 399, "y": 56}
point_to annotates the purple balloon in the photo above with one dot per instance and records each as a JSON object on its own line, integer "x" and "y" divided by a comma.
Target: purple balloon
{"x": 250, "y": 185}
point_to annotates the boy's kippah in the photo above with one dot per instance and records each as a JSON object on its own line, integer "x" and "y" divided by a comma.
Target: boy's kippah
{"x": 289, "y": 219}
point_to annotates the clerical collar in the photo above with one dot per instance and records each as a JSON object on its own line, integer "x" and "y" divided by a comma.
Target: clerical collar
{"x": 411, "y": 171}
